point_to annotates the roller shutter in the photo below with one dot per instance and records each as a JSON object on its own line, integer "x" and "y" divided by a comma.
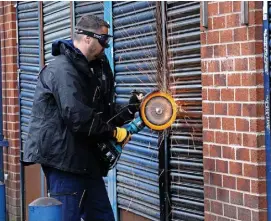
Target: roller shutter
{"x": 186, "y": 163}
{"x": 135, "y": 60}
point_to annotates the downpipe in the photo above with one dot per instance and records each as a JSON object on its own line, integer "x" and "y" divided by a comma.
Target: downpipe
{"x": 267, "y": 104}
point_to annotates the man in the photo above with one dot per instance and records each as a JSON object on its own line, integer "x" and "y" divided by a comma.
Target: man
{"x": 72, "y": 105}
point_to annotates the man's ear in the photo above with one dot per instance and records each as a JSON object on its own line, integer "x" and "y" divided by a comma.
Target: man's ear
{"x": 87, "y": 39}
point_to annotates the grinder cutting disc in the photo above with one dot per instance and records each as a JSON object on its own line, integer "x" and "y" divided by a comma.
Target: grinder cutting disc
{"x": 158, "y": 110}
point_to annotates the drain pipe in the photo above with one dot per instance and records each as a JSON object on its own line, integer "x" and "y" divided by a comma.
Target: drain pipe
{"x": 267, "y": 104}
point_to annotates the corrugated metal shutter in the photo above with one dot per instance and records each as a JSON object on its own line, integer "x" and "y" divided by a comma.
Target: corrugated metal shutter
{"x": 56, "y": 24}
{"x": 183, "y": 24}
{"x": 88, "y": 7}
{"x": 135, "y": 57}
{"x": 29, "y": 62}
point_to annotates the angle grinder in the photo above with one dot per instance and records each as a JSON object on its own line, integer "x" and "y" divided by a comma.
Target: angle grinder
{"x": 157, "y": 111}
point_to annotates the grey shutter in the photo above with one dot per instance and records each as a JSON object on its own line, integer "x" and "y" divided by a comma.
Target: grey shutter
{"x": 56, "y": 24}
{"x": 135, "y": 57}
{"x": 88, "y": 7}
{"x": 183, "y": 24}
{"x": 29, "y": 64}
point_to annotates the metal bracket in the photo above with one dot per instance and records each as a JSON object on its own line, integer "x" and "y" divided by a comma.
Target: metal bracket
{"x": 204, "y": 14}
{"x": 244, "y": 12}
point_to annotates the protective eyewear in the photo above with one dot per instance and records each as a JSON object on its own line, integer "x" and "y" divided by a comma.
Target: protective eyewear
{"x": 103, "y": 39}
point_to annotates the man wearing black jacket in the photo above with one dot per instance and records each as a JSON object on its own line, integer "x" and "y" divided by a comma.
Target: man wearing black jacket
{"x": 72, "y": 105}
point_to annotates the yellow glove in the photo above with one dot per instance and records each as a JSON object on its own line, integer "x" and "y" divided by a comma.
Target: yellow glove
{"x": 122, "y": 136}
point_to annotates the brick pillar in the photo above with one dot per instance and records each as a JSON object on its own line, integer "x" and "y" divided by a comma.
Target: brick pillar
{"x": 10, "y": 107}
{"x": 233, "y": 114}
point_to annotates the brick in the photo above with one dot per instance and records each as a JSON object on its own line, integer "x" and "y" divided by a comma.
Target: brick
{"x": 215, "y": 151}
{"x": 229, "y": 182}
{"x": 258, "y": 63}
{"x": 236, "y": 6}
{"x": 242, "y": 124}
{"x": 235, "y": 139}
{"x": 240, "y": 34}
{"x": 255, "y": 33}
{"x": 207, "y": 51}
{"x": 227, "y": 94}
{"x": 220, "y": 51}
{"x": 220, "y": 79}
{"x": 249, "y": 110}
{"x": 243, "y": 154}
{"x": 255, "y": 5}
{"x": 208, "y": 108}
{"x": 236, "y": 198}
{"x": 233, "y": 49}
{"x": 226, "y": 36}
{"x": 225, "y": 7}
{"x": 209, "y": 164}
{"x": 251, "y": 170}
{"x": 213, "y": 37}
{"x": 207, "y": 79}
{"x": 258, "y": 156}
{"x": 259, "y": 215}
{"x": 228, "y": 124}
{"x": 230, "y": 211}
{"x": 206, "y": 177}
{"x": 257, "y": 125}
{"x": 212, "y": 9}
{"x": 227, "y": 65}
{"x": 241, "y": 64}
{"x": 251, "y": 201}
{"x": 214, "y": 123}
{"x": 209, "y": 217}
{"x": 256, "y": 94}
{"x": 213, "y": 94}
{"x": 258, "y": 186}
{"x": 234, "y": 80}
{"x": 203, "y": 38}
{"x": 221, "y": 137}
{"x": 216, "y": 207}
{"x": 207, "y": 205}
{"x": 210, "y": 192}
{"x": 219, "y": 22}
{"x": 221, "y": 166}
{"x": 255, "y": 18}
{"x": 213, "y": 66}
{"x": 244, "y": 214}
{"x": 220, "y": 218}
{"x": 208, "y": 136}
{"x": 205, "y": 122}
{"x": 249, "y": 140}
{"x": 233, "y": 20}
{"x": 223, "y": 195}
{"x": 215, "y": 179}
{"x": 248, "y": 79}
{"x": 228, "y": 152}
{"x": 204, "y": 94}
{"x": 220, "y": 109}
{"x": 243, "y": 184}
{"x": 236, "y": 168}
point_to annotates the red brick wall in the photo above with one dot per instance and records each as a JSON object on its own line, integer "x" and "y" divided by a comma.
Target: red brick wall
{"x": 233, "y": 114}
{"x": 10, "y": 107}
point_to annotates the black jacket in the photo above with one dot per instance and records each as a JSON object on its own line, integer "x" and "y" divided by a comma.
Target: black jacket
{"x": 73, "y": 101}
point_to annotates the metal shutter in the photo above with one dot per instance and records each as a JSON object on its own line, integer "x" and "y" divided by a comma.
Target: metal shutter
{"x": 56, "y": 24}
{"x": 88, "y": 7}
{"x": 135, "y": 57}
{"x": 186, "y": 164}
{"x": 28, "y": 58}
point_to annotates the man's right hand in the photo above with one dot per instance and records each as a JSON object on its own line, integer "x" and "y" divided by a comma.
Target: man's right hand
{"x": 122, "y": 136}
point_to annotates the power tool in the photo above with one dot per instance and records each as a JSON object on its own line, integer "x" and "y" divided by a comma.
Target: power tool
{"x": 157, "y": 111}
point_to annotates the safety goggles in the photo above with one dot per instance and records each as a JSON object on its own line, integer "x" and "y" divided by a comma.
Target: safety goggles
{"x": 103, "y": 39}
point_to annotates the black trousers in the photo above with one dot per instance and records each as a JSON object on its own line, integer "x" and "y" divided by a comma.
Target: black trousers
{"x": 82, "y": 197}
